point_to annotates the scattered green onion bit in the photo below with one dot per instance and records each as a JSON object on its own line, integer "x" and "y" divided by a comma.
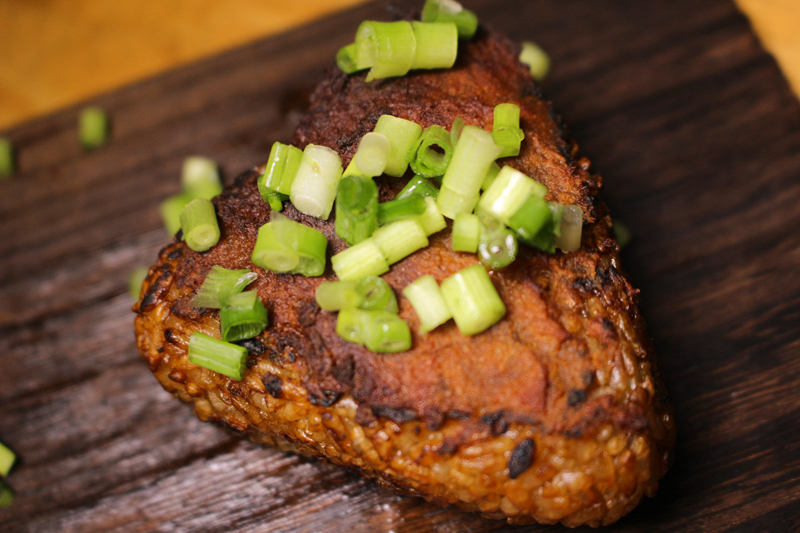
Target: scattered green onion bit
{"x": 451, "y": 11}
{"x": 243, "y": 317}
{"x": 286, "y": 246}
{"x": 7, "y": 164}
{"x": 622, "y": 233}
{"x": 402, "y": 135}
{"x": 363, "y": 259}
{"x": 199, "y": 225}
{"x": 497, "y": 247}
{"x": 219, "y": 356}
{"x": 400, "y": 239}
{"x": 135, "y": 281}
{"x": 280, "y": 170}
{"x": 200, "y": 177}
{"x": 356, "y": 209}
{"x": 371, "y": 157}
{"x": 427, "y": 300}
{"x": 220, "y": 284}
{"x": 473, "y": 300}
{"x": 466, "y": 233}
{"x": 571, "y": 229}
{"x": 505, "y": 129}
{"x": 455, "y": 130}
{"x": 508, "y": 191}
{"x": 545, "y": 239}
{"x": 387, "y": 47}
{"x": 317, "y": 179}
{"x": 473, "y": 154}
{"x": 418, "y": 186}
{"x": 376, "y": 295}
{"x": 436, "y": 45}
{"x": 337, "y": 295}
{"x": 7, "y": 458}
{"x": 491, "y": 175}
{"x": 275, "y": 199}
{"x": 530, "y": 219}
{"x": 431, "y": 154}
{"x": 431, "y": 220}
{"x": 6, "y": 495}
{"x": 171, "y": 211}
{"x": 93, "y": 127}
{"x": 394, "y": 210}
{"x": 346, "y": 59}
{"x": 379, "y": 331}
{"x": 536, "y": 58}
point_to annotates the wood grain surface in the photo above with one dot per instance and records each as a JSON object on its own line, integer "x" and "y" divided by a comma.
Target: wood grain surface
{"x": 691, "y": 124}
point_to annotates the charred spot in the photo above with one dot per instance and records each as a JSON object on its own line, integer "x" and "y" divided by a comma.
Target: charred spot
{"x": 521, "y": 458}
{"x": 417, "y": 430}
{"x": 530, "y": 88}
{"x": 179, "y": 235}
{"x": 602, "y": 275}
{"x": 448, "y": 447}
{"x": 182, "y": 309}
{"x": 160, "y": 349}
{"x": 365, "y": 416}
{"x": 273, "y": 384}
{"x": 395, "y": 415}
{"x": 458, "y": 415}
{"x": 170, "y": 337}
{"x": 344, "y": 370}
{"x": 324, "y": 399}
{"x": 576, "y": 397}
{"x": 583, "y": 285}
{"x": 156, "y": 290}
{"x": 434, "y": 419}
{"x": 175, "y": 254}
{"x": 307, "y": 314}
{"x": 496, "y": 421}
{"x": 607, "y": 324}
{"x": 588, "y": 377}
{"x": 239, "y": 389}
{"x": 253, "y": 346}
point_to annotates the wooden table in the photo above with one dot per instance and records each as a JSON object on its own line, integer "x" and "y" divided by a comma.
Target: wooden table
{"x": 690, "y": 122}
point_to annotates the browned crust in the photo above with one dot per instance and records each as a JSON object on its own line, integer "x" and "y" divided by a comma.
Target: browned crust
{"x": 554, "y": 414}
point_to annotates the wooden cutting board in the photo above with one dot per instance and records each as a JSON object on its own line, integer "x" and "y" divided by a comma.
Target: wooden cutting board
{"x": 690, "y": 123}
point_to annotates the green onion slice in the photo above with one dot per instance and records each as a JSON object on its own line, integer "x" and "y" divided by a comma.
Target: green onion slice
{"x": 6, "y": 495}
{"x": 418, "y": 186}
{"x": 314, "y": 187}
{"x": 199, "y": 225}
{"x": 220, "y": 356}
{"x": 371, "y": 158}
{"x": 370, "y": 293}
{"x": 451, "y": 11}
{"x": 200, "y": 177}
{"x": 356, "y": 209}
{"x": 171, "y": 211}
{"x": 622, "y": 233}
{"x": 497, "y": 247}
{"x": 427, "y": 300}
{"x": 363, "y": 259}
{"x": 7, "y": 164}
{"x": 506, "y": 131}
{"x": 220, "y": 284}
{"x": 93, "y": 127}
{"x": 280, "y": 170}
{"x": 7, "y": 458}
{"x": 337, "y": 295}
{"x": 466, "y": 233}
{"x": 571, "y": 229}
{"x": 376, "y": 295}
{"x": 431, "y": 220}
{"x": 545, "y": 239}
{"x": 274, "y": 199}
{"x": 436, "y": 45}
{"x": 400, "y": 239}
{"x": 455, "y": 130}
{"x": 380, "y": 331}
{"x": 387, "y": 47}
{"x": 491, "y": 175}
{"x": 135, "y": 281}
{"x": 402, "y": 135}
{"x": 509, "y": 190}
{"x": 286, "y": 246}
{"x": 394, "y": 210}
{"x": 530, "y": 219}
{"x": 473, "y": 300}
{"x": 243, "y": 317}
{"x": 536, "y": 58}
{"x": 431, "y": 154}
{"x": 346, "y": 59}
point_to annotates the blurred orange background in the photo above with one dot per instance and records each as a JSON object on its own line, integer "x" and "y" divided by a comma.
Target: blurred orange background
{"x": 54, "y": 53}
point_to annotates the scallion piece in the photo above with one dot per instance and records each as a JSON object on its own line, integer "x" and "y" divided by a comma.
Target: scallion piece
{"x": 387, "y": 47}
{"x": 402, "y": 135}
{"x": 7, "y": 458}
{"x": 243, "y": 317}
{"x": 93, "y": 127}
{"x": 473, "y": 300}
{"x": 371, "y": 157}
{"x": 274, "y": 199}
{"x": 530, "y": 219}
{"x": 455, "y": 130}
{"x": 466, "y": 233}
{"x": 135, "y": 281}
{"x": 451, "y": 11}
{"x": 380, "y": 331}
{"x": 491, "y": 175}
{"x": 505, "y": 129}
{"x": 571, "y": 229}
{"x": 427, "y": 300}
{"x": 171, "y": 211}
{"x": 199, "y": 225}
{"x": 219, "y": 356}
{"x": 220, "y": 284}
{"x": 317, "y": 179}
{"x": 337, "y": 295}
{"x": 400, "y": 239}
{"x": 346, "y": 59}
{"x": 474, "y": 152}
{"x": 286, "y": 246}
{"x": 359, "y": 261}
{"x": 6, "y": 495}
{"x": 431, "y": 219}
{"x": 509, "y": 190}
{"x": 200, "y": 177}
{"x": 436, "y": 45}
{"x": 545, "y": 239}
{"x": 622, "y": 233}
{"x": 432, "y": 152}
{"x": 349, "y": 325}
{"x": 497, "y": 247}
{"x": 280, "y": 170}
{"x": 376, "y": 295}
{"x": 536, "y": 58}
{"x": 356, "y": 209}
{"x": 7, "y": 164}
{"x": 394, "y": 210}
{"x": 418, "y": 186}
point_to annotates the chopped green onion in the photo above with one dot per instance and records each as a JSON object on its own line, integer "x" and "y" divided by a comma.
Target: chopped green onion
{"x": 356, "y": 209}
{"x": 219, "y": 356}
{"x": 450, "y": 11}
{"x": 359, "y": 261}
{"x": 171, "y": 211}
{"x": 622, "y": 232}
{"x": 286, "y": 246}
{"x": 491, "y": 175}
{"x": 349, "y": 324}
{"x": 536, "y": 58}
{"x": 274, "y": 199}
{"x": 337, "y": 295}
{"x": 371, "y": 157}
{"x": 546, "y": 238}
{"x": 394, "y": 210}
{"x": 220, "y": 284}
{"x": 431, "y": 219}
{"x": 346, "y": 59}
{"x": 571, "y": 228}
{"x": 6, "y": 495}
{"x": 427, "y": 300}
{"x": 317, "y": 179}
{"x": 376, "y": 295}
{"x": 497, "y": 247}
{"x": 455, "y": 130}
{"x": 199, "y": 225}
{"x": 418, "y": 186}
{"x": 387, "y": 47}
{"x": 280, "y": 170}
{"x": 400, "y": 239}
{"x": 507, "y": 193}
{"x": 432, "y": 152}
{"x": 135, "y": 281}
{"x": 402, "y": 135}
{"x": 243, "y": 317}
{"x": 466, "y": 232}
{"x": 473, "y": 154}
{"x": 473, "y": 300}
{"x": 505, "y": 129}
{"x": 6, "y": 158}
{"x": 93, "y": 127}
{"x": 200, "y": 177}
{"x": 380, "y": 331}
{"x": 532, "y": 216}
{"x": 7, "y": 458}
{"x": 436, "y": 45}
